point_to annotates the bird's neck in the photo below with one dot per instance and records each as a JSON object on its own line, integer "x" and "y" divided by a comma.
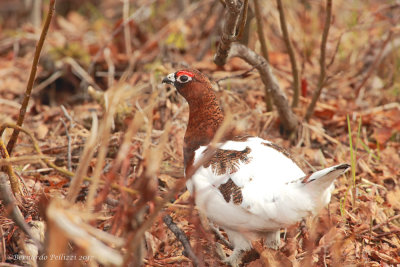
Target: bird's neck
{"x": 205, "y": 117}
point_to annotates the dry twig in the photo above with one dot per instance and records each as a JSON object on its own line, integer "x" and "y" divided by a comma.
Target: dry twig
{"x": 321, "y": 79}
{"x": 264, "y": 49}
{"x": 187, "y": 248}
{"x": 6, "y": 152}
{"x": 32, "y": 76}
{"x": 292, "y": 56}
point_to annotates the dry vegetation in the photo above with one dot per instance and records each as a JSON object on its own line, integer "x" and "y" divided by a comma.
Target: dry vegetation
{"x": 100, "y": 159}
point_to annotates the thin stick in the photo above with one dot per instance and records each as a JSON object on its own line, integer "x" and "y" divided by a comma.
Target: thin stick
{"x": 32, "y": 76}
{"x": 221, "y": 237}
{"x": 321, "y": 80}
{"x": 260, "y": 32}
{"x": 264, "y": 49}
{"x": 187, "y": 248}
{"x": 64, "y": 110}
{"x": 293, "y": 63}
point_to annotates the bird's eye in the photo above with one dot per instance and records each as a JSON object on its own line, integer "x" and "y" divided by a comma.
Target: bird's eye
{"x": 183, "y": 79}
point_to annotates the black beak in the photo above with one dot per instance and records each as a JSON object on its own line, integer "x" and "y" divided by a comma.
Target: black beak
{"x": 169, "y": 79}
{"x": 166, "y": 80}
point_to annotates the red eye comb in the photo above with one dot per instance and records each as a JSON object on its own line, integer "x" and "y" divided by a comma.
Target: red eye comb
{"x": 182, "y": 72}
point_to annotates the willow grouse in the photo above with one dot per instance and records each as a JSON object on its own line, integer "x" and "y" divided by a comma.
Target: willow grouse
{"x": 250, "y": 187}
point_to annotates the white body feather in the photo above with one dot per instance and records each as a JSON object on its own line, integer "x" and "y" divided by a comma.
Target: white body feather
{"x": 273, "y": 194}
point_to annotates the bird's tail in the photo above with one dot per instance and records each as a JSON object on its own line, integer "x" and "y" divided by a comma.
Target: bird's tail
{"x": 319, "y": 185}
{"x": 323, "y": 179}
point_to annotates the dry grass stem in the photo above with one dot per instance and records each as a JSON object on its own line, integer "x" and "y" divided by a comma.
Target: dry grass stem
{"x": 127, "y": 32}
{"x": 68, "y": 225}
{"x": 103, "y": 138}
{"x": 87, "y": 155}
{"x": 22, "y": 160}
{"x": 14, "y": 181}
{"x": 111, "y": 66}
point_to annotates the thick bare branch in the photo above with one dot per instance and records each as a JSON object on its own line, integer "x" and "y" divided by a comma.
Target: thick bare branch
{"x": 32, "y": 76}
{"x": 228, "y": 32}
{"x": 288, "y": 118}
{"x": 322, "y": 74}
{"x": 293, "y": 63}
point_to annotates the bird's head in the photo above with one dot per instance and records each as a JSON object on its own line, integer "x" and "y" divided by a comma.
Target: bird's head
{"x": 190, "y": 83}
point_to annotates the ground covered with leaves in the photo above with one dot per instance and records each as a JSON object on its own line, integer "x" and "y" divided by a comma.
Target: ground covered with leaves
{"x": 99, "y": 115}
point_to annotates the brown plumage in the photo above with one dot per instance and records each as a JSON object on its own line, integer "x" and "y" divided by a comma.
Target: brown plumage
{"x": 227, "y": 161}
{"x": 231, "y": 190}
{"x": 205, "y": 114}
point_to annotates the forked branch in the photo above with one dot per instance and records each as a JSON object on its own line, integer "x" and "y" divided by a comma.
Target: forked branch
{"x": 288, "y": 118}
{"x": 230, "y": 33}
